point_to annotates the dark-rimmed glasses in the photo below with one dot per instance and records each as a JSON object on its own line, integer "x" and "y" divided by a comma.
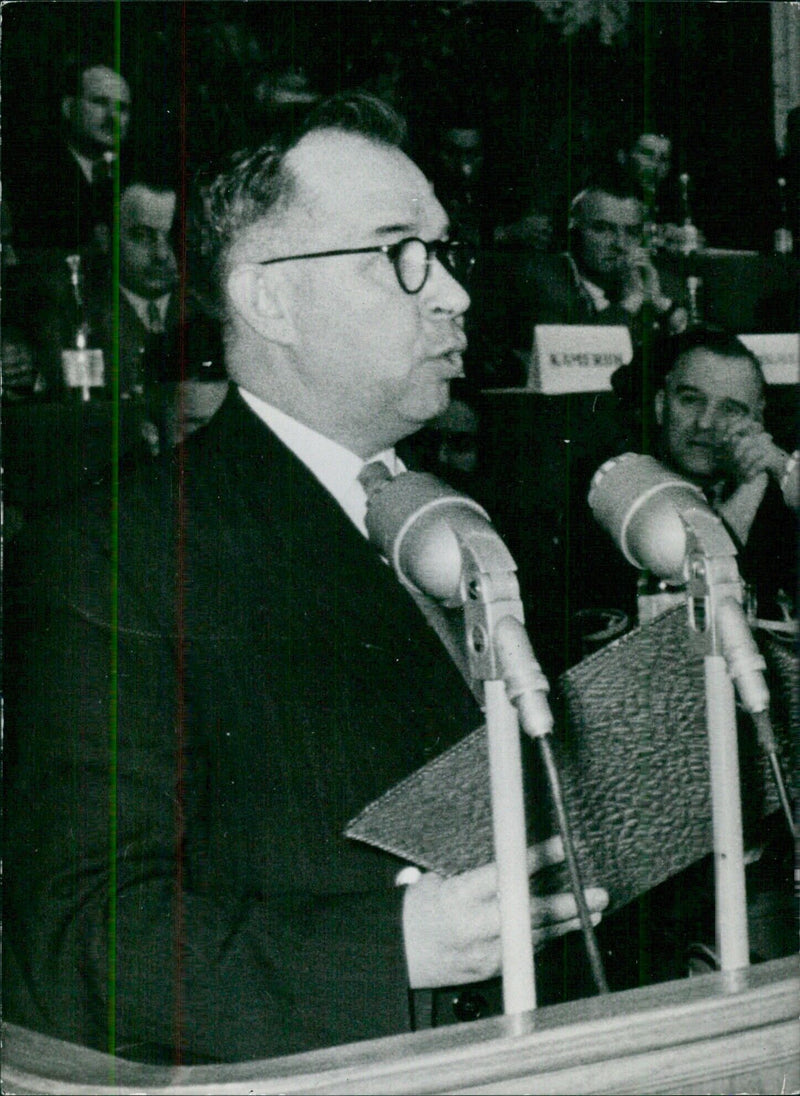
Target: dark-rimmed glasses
{"x": 411, "y": 259}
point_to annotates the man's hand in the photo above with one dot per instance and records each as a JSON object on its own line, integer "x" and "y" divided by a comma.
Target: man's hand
{"x": 749, "y": 449}
{"x": 680, "y": 239}
{"x": 451, "y": 926}
{"x": 641, "y": 283}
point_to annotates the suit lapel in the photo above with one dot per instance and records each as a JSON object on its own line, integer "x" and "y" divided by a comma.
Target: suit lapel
{"x": 316, "y": 561}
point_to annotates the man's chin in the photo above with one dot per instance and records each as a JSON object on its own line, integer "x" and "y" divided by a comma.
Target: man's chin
{"x": 699, "y": 467}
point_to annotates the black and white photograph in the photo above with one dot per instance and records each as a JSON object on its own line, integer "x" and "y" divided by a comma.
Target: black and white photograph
{"x": 399, "y": 482}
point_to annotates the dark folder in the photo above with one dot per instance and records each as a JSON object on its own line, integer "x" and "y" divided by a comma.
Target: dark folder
{"x": 632, "y": 749}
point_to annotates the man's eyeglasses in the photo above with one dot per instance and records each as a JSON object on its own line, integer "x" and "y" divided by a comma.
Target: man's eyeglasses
{"x": 411, "y": 259}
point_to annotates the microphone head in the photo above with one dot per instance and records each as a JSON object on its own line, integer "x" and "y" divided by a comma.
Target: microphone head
{"x": 639, "y": 502}
{"x": 410, "y": 520}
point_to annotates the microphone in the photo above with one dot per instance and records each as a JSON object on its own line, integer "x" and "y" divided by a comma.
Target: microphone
{"x": 415, "y": 519}
{"x": 640, "y": 503}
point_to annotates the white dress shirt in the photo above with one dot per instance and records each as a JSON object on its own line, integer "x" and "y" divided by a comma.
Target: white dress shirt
{"x": 141, "y": 306}
{"x": 336, "y": 468}
{"x": 87, "y": 165}
{"x": 599, "y": 298}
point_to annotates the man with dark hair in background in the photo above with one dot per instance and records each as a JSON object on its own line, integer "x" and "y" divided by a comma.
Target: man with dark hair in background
{"x": 232, "y": 672}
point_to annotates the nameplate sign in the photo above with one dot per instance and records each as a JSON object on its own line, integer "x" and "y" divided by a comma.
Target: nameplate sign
{"x": 577, "y": 357}
{"x": 779, "y": 356}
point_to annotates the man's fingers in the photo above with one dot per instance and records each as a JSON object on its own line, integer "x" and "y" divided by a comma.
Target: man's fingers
{"x": 554, "y": 908}
{"x": 545, "y": 854}
{"x": 543, "y": 933}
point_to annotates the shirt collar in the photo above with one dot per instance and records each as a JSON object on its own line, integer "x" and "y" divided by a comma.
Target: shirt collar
{"x": 336, "y": 468}
{"x": 140, "y": 305}
{"x": 598, "y": 295}
{"x": 85, "y": 163}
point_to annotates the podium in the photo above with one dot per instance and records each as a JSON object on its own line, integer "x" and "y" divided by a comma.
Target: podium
{"x": 715, "y": 1033}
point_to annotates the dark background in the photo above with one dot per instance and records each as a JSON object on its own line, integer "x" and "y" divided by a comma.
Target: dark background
{"x": 201, "y": 73}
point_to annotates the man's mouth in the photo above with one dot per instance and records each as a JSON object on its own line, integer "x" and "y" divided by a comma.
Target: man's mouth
{"x": 453, "y": 358}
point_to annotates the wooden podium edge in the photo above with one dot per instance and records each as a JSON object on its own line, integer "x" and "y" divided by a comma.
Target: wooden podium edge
{"x": 720, "y": 1033}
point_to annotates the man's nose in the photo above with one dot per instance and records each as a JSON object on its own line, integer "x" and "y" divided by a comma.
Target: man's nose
{"x": 706, "y": 418}
{"x": 622, "y": 239}
{"x": 443, "y": 293}
{"x": 162, "y": 249}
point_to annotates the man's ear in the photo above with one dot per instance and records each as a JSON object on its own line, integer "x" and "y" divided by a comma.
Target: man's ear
{"x": 68, "y": 108}
{"x": 658, "y": 406}
{"x": 262, "y": 300}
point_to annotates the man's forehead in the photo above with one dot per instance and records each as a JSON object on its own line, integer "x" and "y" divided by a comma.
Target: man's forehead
{"x": 717, "y": 375}
{"x": 104, "y": 81}
{"x": 654, "y": 143}
{"x": 364, "y": 187}
{"x": 140, "y": 205}
{"x": 608, "y": 207}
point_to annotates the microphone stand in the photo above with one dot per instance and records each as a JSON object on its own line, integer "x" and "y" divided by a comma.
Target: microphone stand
{"x": 492, "y": 594}
{"x": 712, "y": 577}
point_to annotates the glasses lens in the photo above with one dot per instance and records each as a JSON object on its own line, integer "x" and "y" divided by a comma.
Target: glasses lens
{"x": 411, "y": 265}
{"x": 413, "y": 258}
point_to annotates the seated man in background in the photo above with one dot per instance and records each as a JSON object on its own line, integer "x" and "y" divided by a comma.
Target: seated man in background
{"x": 604, "y": 277}
{"x": 258, "y": 674}
{"x": 127, "y": 321}
{"x": 708, "y": 423}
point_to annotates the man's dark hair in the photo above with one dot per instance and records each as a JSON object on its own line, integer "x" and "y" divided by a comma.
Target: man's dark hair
{"x": 358, "y": 112}
{"x": 253, "y": 184}
{"x": 717, "y": 340}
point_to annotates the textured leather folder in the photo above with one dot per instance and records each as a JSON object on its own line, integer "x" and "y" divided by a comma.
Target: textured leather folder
{"x": 632, "y": 749}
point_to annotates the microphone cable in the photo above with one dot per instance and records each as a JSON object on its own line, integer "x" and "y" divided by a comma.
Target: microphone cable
{"x": 587, "y": 928}
{"x": 768, "y": 744}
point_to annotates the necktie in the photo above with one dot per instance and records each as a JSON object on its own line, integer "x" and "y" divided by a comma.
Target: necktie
{"x": 154, "y": 321}
{"x": 373, "y": 475}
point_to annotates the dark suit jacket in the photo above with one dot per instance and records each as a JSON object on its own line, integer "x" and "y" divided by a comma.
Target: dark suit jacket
{"x": 52, "y": 203}
{"x": 545, "y": 290}
{"x": 196, "y": 707}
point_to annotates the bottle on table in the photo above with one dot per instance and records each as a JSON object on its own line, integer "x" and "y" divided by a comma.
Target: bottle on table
{"x": 83, "y": 367}
{"x": 690, "y": 237}
{"x": 694, "y": 287}
{"x": 783, "y": 238}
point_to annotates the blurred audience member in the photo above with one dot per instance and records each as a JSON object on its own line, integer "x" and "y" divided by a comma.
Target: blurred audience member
{"x": 20, "y": 377}
{"x": 62, "y": 195}
{"x": 605, "y": 277}
{"x": 533, "y": 231}
{"x": 647, "y": 165}
{"x": 458, "y": 172}
{"x": 195, "y": 380}
{"x": 450, "y": 446}
{"x": 123, "y": 326}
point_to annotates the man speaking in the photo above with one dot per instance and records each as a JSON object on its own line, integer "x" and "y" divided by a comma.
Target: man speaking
{"x": 211, "y": 671}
